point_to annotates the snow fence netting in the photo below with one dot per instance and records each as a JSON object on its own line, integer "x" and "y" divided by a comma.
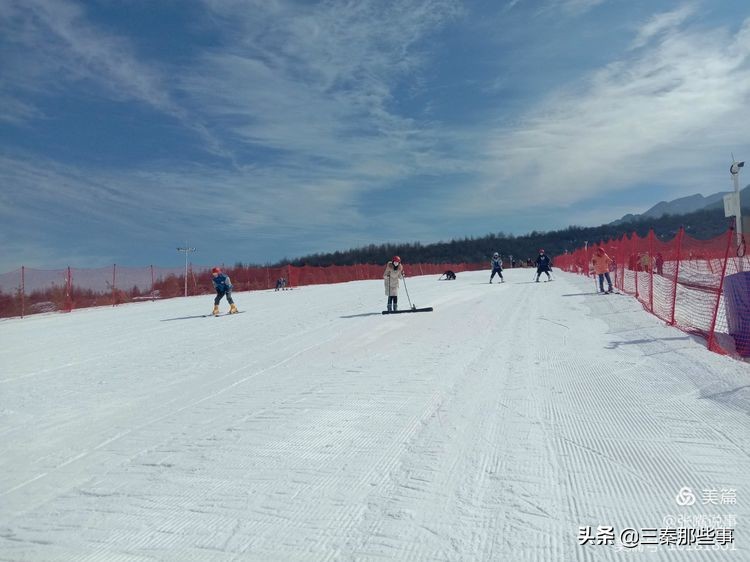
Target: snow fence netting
{"x": 27, "y": 290}
{"x": 700, "y": 286}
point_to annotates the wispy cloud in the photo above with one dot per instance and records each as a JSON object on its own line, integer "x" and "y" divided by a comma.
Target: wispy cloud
{"x": 663, "y": 23}
{"x": 320, "y": 83}
{"x": 51, "y": 45}
{"x": 659, "y": 116}
{"x": 16, "y": 111}
{"x": 75, "y": 50}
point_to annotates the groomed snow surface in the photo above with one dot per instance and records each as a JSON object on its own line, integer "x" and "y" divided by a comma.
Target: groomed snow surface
{"x": 311, "y": 427}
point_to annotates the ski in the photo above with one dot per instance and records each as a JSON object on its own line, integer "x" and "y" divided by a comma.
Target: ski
{"x": 224, "y": 314}
{"x": 428, "y": 309}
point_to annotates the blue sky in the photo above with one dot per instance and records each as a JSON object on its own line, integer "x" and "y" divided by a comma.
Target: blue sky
{"x": 257, "y": 130}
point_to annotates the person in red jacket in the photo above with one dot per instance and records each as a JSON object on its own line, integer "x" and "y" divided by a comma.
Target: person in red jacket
{"x": 601, "y": 262}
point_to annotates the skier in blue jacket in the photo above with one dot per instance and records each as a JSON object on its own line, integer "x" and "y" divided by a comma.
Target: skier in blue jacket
{"x": 223, "y": 286}
{"x": 497, "y": 267}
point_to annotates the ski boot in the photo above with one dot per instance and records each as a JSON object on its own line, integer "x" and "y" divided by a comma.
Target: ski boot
{"x": 216, "y": 310}
{"x": 233, "y": 309}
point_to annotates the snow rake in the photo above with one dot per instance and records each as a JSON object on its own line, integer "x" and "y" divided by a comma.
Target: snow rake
{"x": 412, "y": 307}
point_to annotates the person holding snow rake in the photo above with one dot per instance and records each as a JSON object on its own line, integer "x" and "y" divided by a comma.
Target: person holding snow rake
{"x": 394, "y": 271}
{"x": 223, "y": 286}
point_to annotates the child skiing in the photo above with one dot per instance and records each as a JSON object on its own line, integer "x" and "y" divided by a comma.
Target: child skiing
{"x": 601, "y": 262}
{"x": 497, "y": 267}
{"x": 543, "y": 265}
{"x": 223, "y": 286}
{"x": 393, "y": 272}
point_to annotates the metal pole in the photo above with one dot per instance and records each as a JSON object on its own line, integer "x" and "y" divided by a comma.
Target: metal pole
{"x": 23, "y": 289}
{"x": 735, "y": 171}
{"x": 187, "y": 250}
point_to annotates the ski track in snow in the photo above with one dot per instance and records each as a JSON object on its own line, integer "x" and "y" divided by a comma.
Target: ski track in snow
{"x": 314, "y": 428}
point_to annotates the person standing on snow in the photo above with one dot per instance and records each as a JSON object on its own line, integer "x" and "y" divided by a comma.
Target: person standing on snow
{"x": 497, "y": 267}
{"x": 543, "y": 265}
{"x": 394, "y": 271}
{"x": 223, "y": 286}
{"x": 601, "y": 262}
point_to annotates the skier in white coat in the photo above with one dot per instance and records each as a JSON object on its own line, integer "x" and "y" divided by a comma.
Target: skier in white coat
{"x": 394, "y": 271}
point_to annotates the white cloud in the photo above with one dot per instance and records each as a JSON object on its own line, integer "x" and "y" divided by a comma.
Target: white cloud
{"x": 16, "y": 111}
{"x": 319, "y": 83}
{"x": 52, "y": 46}
{"x": 662, "y": 116}
{"x": 56, "y": 35}
{"x": 662, "y": 23}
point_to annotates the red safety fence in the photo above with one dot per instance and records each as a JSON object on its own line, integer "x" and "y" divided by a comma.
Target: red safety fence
{"x": 699, "y": 286}
{"x": 30, "y": 291}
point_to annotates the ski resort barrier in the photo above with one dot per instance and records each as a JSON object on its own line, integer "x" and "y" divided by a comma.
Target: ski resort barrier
{"x": 30, "y": 291}
{"x": 699, "y": 286}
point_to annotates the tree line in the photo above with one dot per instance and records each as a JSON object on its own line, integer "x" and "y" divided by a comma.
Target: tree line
{"x": 703, "y": 225}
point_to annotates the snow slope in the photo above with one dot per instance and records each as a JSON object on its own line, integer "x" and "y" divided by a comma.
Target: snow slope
{"x": 311, "y": 427}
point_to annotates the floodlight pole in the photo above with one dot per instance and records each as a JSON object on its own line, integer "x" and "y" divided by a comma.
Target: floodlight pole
{"x": 735, "y": 171}
{"x": 186, "y": 250}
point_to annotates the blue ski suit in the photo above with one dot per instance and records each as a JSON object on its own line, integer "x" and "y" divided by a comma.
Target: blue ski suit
{"x": 223, "y": 286}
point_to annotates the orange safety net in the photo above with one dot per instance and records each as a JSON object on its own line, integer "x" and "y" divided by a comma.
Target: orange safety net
{"x": 30, "y": 291}
{"x": 700, "y": 286}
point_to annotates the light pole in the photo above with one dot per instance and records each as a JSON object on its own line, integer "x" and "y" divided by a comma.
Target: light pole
{"x": 734, "y": 169}
{"x": 186, "y": 250}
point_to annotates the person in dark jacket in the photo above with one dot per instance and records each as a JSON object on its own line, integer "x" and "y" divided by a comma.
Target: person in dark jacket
{"x": 497, "y": 267}
{"x": 223, "y": 286}
{"x": 543, "y": 265}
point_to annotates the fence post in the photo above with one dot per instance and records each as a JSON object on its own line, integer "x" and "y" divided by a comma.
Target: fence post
{"x": 651, "y": 270}
{"x": 153, "y": 297}
{"x": 636, "y": 261}
{"x": 721, "y": 288}
{"x": 114, "y": 281}
{"x": 621, "y": 261}
{"x": 69, "y": 292}
{"x": 23, "y": 290}
{"x": 676, "y": 274}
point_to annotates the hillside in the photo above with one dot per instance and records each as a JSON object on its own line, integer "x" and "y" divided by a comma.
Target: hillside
{"x": 682, "y": 206}
{"x": 702, "y": 224}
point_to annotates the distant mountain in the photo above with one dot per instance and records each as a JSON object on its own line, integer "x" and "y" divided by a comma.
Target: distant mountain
{"x": 703, "y": 224}
{"x": 682, "y": 206}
